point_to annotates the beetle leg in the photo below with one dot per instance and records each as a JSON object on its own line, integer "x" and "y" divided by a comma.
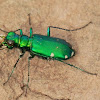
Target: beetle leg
{"x": 29, "y": 58}
{"x": 67, "y": 29}
{"x": 77, "y": 68}
{"x": 31, "y": 32}
{"x": 29, "y": 66}
{"x": 48, "y": 31}
{"x": 21, "y": 33}
{"x": 14, "y": 67}
{"x": 30, "y": 25}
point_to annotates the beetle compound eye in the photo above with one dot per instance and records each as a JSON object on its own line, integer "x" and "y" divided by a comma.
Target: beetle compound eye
{"x": 10, "y": 43}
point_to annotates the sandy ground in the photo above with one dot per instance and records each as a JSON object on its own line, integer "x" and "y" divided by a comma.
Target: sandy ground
{"x": 52, "y": 80}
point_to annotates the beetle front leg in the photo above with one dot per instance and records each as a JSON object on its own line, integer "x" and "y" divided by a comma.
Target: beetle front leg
{"x": 14, "y": 68}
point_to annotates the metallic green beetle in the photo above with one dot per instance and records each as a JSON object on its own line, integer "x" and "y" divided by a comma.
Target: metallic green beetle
{"x": 40, "y": 45}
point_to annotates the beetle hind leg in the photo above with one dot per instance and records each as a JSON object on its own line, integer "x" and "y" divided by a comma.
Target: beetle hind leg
{"x": 48, "y": 30}
{"x": 78, "y": 68}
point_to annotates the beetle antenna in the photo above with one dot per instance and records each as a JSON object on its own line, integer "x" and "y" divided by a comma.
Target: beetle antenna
{"x": 3, "y": 31}
{"x": 77, "y": 67}
{"x": 72, "y": 29}
{"x": 29, "y": 19}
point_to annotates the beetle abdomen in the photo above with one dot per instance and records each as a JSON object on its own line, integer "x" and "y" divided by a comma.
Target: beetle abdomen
{"x": 51, "y": 47}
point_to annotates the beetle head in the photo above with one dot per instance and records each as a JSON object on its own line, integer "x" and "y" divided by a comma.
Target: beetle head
{"x": 7, "y": 41}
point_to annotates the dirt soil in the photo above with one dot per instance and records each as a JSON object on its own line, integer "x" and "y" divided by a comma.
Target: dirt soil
{"x": 52, "y": 80}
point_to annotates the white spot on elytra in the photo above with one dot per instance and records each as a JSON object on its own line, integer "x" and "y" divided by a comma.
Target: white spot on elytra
{"x": 56, "y": 47}
{"x": 72, "y": 54}
{"x": 52, "y": 55}
{"x": 66, "y": 56}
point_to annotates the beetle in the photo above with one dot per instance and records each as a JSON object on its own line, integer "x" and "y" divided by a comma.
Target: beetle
{"x": 40, "y": 45}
